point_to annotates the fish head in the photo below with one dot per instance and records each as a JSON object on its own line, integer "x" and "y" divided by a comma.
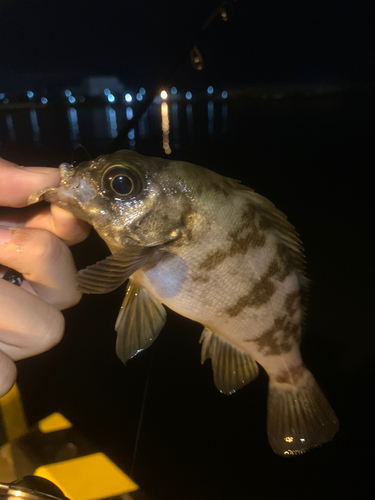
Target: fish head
{"x": 128, "y": 198}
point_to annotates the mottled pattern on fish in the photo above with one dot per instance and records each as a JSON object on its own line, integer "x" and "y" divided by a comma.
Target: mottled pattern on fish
{"x": 215, "y": 252}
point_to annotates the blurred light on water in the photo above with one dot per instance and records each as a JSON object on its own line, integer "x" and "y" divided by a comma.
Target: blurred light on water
{"x": 35, "y": 125}
{"x": 210, "y": 117}
{"x": 142, "y": 91}
{"x": 129, "y": 113}
{"x": 30, "y": 94}
{"x": 73, "y": 124}
{"x": 131, "y": 134}
{"x": 2, "y": 95}
{"x": 210, "y": 90}
{"x": 224, "y": 94}
{"x": 128, "y": 98}
{"x": 67, "y": 93}
{"x": 111, "y": 98}
{"x": 189, "y": 118}
{"x": 188, "y": 95}
{"x": 143, "y": 126}
{"x": 5, "y": 100}
{"x": 107, "y": 92}
{"x": 111, "y": 121}
{"x": 71, "y": 99}
{"x": 165, "y": 128}
{"x": 139, "y": 96}
{"x": 10, "y": 126}
{"x": 44, "y": 100}
{"x": 224, "y": 116}
{"x": 173, "y": 90}
{"x": 175, "y": 126}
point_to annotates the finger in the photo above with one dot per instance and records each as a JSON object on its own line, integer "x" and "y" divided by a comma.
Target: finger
{"x": 45, "y": 262}
{"x": 17, "y": 183}
{"x": 8, "y": 373}
{"x": 28, "y": 325}
{"x": 50, "y": 217}
{"x": 62, "y": 224}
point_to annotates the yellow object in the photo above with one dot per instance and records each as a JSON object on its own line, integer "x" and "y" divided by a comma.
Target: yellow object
{"x": 12, "y": 414}
{"x": 54, "y": 422}
{"x": 92, "y": 477}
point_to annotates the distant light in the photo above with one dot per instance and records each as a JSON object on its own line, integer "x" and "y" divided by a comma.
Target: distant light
{"x": 210, "y": 90}
{"x": 67, "y": 93}
{"x": 81, "y": 98}
{"x": 6, "y": 100}
{"x": 173, "y": 90}
{"x": 71, "y": 99}
{"x": 128, "y": 98}
{"x": 107, "y": 92}
{"x": 163, "y": 94}
{"x": 111, "y": 98}
{"x": 44, "y": 100}
{"x": 2, "y": 95}
{"x": 224, "y": 94}
{"x": 17, "y": 493}
{"x": 131, "y": 134}
{"x": 142, "y": 91}
{"x": 188, "y": 95}
{"x": 139, "y": 96}
{"x": 30, "y": 94}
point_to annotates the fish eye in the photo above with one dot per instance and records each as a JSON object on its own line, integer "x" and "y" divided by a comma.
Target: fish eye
{"x": 122, "y": 184}
{"x": 122, "y": 181}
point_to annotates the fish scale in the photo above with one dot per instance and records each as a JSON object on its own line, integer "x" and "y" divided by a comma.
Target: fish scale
{"x": 216, "y": 252}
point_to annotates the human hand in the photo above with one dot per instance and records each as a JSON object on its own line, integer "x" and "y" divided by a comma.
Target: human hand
{"x": 33, "y": 241}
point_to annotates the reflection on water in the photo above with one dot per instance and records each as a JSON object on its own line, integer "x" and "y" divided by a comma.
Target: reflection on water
{"x": 210, "y": 117}
{"x": 35, "y": 125}
{"x": 143, "y": 126}
{"x": 175, "y": 127}
{"x": 73, "y": 124}
{"x": 189, "y": 117}
{"x": 10, "y": 125}
{"x": 129, "y": 113}
{"x": 173, "y": 124}
{"x": 224, "y": 117}
{"x": 111, "y": 122}
{"x": 165, "y": 128}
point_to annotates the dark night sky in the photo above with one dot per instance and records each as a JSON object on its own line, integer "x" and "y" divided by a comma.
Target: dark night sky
{"x": 264, "y": 41}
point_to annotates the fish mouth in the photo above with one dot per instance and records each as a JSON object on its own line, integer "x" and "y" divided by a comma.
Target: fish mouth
{"x": 70, "y": 195}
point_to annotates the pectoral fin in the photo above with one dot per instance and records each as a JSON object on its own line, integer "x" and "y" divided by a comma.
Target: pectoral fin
{"x": 108, "y": 274}
{"x": 232, "y": 368}
{"x": 139, "y": 322}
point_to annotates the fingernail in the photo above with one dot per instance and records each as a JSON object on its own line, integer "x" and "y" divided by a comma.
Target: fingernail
{"x": 5, "y": 234}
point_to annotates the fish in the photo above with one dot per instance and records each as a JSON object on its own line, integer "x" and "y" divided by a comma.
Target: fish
{"x": 214, "y": 251}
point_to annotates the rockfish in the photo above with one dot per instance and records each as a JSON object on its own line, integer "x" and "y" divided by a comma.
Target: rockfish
{"x": 216, "y": 252}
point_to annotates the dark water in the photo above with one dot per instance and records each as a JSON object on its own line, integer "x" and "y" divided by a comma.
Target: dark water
{"x": 314, "y": 159}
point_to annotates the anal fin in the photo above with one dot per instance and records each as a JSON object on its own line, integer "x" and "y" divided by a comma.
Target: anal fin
{"x": 232, "y": 368}
{"x": 299, "y": 417}
{"x": 139, "y": 322}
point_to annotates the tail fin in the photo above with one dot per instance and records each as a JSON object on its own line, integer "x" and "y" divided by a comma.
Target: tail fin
{"x": 299, "y": 417}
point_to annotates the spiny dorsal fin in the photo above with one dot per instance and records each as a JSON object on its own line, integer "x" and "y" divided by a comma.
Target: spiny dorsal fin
{"x": 139, "y": 322}
{"x": 108, "y": 274}
{"x": 232, "y": 368}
